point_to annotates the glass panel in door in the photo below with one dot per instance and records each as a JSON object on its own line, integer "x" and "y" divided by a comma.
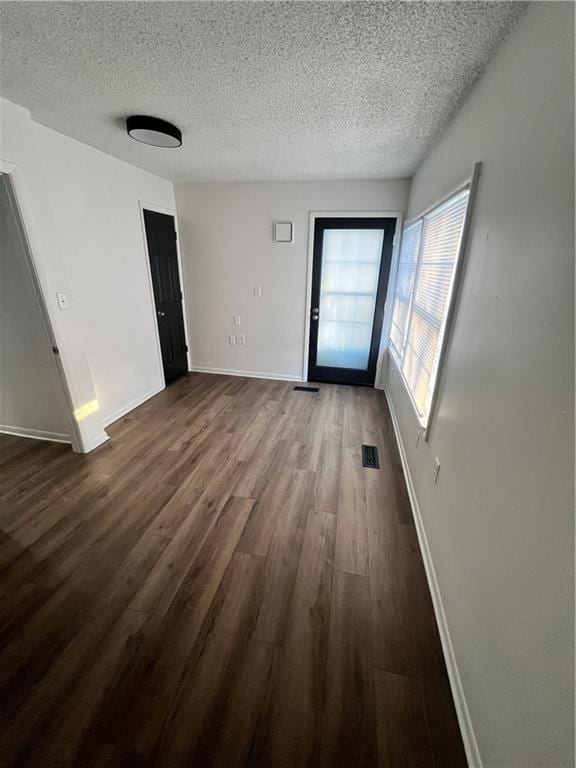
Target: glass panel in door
{"x": 349, "y": 284}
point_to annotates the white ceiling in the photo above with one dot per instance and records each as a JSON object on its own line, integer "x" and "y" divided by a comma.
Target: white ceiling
{"x": 261, "y": 90}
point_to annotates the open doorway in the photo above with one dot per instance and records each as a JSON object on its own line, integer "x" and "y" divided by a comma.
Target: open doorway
{"x": 33, "y": 401}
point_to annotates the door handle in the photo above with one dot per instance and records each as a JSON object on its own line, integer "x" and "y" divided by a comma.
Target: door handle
{"x": 160, "y": 314}
{"x": 315, "y": 313}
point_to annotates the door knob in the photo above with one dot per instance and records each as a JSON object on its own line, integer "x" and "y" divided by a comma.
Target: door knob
{"x": 160, "y": 314}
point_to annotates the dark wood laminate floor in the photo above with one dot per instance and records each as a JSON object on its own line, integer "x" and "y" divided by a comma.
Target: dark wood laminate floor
{"x": 221, "y": 584}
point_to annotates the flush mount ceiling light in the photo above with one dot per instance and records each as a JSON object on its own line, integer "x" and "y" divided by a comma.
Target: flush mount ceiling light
{"x": 152, "y": 130}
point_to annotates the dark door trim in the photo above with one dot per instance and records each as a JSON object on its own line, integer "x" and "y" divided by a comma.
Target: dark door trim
{"x": 144, "y": 206}
{"x": 319, "y": 222}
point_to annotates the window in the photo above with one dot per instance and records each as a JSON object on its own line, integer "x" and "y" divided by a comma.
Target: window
{"x": 427, "y": 266}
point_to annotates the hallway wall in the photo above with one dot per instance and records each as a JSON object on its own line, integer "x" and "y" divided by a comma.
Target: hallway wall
{"x": 500, "y": 521}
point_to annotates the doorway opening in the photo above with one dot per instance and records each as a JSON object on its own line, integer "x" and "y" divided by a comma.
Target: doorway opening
{"x": 351, "y": 266}
{"x": 34, "y": 398}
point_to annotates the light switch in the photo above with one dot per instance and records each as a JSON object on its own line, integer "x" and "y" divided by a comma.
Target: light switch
{"x": 236, "y": 320}
{"x": 241, "y": 339}
{"x": 436, "y": 469}
{"x": 62, "y": 300}
{"x": 257, "y": 290}
{"x": 232, "y": 340}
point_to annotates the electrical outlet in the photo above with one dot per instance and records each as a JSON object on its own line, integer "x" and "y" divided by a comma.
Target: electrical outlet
{"x": 436, "y": 469}
{"x": 241, "y": 339}
{"x": 257, "y": 290}
{"x": 232, "y": 340}
{"x": 236, "y": 320}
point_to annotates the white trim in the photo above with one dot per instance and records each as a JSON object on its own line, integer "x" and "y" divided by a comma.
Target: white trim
{"x": 310, "y": 261}
{"x": 389, "y": 303}
{"x": 398, "y": 366}
{"x": 464, "y": 720}
{"x": 249, "y": 374}
{"x": 29, "y": 241}
{"x": 6, "y": 166}
{"x": 438, "y": 201}
{"x": 143, "y": 205}
{"x": 454, "y": 295}
{"x": 91, "y": 446}
{"x": 425, "y": 420}
{"x": 132, "y": 404}
{"x": 36, "y": 434}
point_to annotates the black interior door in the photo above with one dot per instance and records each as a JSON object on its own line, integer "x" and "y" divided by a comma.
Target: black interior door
{"x": 352, "y": 259}
{"x": 161, "y": 240}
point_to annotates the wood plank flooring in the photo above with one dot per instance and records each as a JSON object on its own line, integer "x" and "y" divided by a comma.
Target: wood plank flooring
{"x": 220, "y": 585}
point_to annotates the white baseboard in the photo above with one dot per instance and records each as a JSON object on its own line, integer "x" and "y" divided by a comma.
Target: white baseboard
{"x": 466, "y": 728}
{"x": 99, "y": 440}
{"x": 249, "y": 374}
{"x": 36, "y": 434}
{"x": 132, "y": 404}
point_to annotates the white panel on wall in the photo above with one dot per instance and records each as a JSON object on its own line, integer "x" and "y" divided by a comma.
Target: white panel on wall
{"x": 283, "y": 232}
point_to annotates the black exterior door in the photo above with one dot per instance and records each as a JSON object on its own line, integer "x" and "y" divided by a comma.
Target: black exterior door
{"x": 161, "y": 240}
{"x": 352, "y": 259}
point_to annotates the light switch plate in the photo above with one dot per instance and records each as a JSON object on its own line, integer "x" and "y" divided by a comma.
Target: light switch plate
{"x": 232, "y": 340}
{"x": 283, "y": 232}
{"x": 62, "y": 300}
{"x": 257, "y": 290}
{"x": 241, "y": 339}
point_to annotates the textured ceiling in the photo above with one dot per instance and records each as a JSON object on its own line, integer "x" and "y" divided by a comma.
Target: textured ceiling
{"x": 261, "y": 90}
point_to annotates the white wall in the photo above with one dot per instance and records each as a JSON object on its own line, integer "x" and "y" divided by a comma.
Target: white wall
{"x": 95, "y": 199}
{"x": 227, "y": 248}
{"x": 82, "y": 209}
{"x": 31, "y": 398}
{"x": 499, "y": 523}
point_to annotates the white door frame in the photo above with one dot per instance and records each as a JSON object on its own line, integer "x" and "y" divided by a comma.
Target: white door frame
{"x": 398, "y": 215}
{"x": 144, "y": 206}
{"x": 34, "y": 268}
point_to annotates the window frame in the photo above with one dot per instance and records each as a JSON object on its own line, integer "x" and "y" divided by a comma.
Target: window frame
{"x": 425, "y": 421}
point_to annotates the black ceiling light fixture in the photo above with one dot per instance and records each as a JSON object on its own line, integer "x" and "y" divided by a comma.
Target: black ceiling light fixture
{"x": 152, "y": 130}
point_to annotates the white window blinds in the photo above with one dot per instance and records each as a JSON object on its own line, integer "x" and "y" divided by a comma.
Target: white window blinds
{"x": 424, "y": 283}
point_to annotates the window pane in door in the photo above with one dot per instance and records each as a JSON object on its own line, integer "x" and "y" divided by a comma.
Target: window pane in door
{"x": 350, "y": 272}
